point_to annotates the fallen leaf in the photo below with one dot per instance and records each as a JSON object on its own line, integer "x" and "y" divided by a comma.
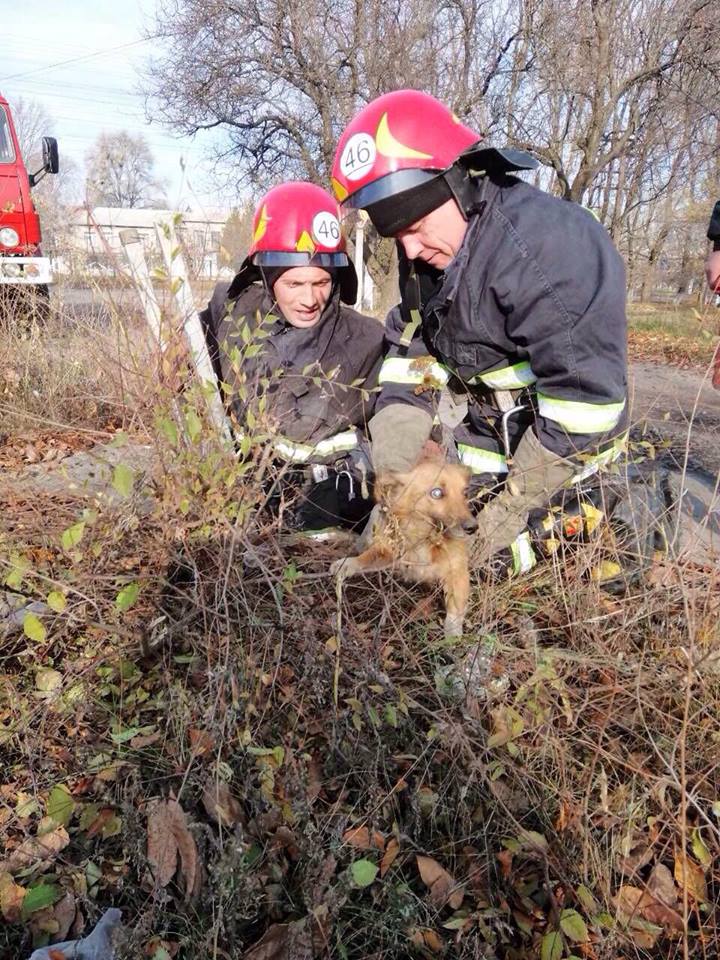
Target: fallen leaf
{"x": 358, "y": 837}
{"x": 60, "y": 804}
{"x": 443, "y": 888}
{"x": 11, "y": 898}
{"x": 64, "y": 913}
{"x": 39, "y": 897}
{"x": 635, "y": 906}
{"x": 189, "y": 860}
{"x": 506, "y": 858}
{"x": 161, "y": 846}
{"x": 283, "y": 941}
{"x": 44, "y": 847}
{"x": 201, "y": 741}
{"x": 573, "y": 926}
{"x": 662, "y": 886}
{"x": 690, "y": 876}
{"x": 363, "y": 872}
{"x": 551, "y": 946}
{"x": 389, "y": 857}
{"x": 432, "y": 940}
{"x": 221, "y": 805}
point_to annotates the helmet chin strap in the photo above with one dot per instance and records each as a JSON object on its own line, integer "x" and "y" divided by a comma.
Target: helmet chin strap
{"x": 463, "y": 187}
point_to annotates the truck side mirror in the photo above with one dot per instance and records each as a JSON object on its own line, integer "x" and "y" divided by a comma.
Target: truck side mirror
{"x": 51, "y": 160}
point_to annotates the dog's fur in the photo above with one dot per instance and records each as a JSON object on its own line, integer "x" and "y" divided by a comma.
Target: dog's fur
{"x": 422, "y": 536}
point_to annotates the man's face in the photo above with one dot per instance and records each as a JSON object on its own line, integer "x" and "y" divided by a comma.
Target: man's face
{"x": 436, "y": 237}
{"x": 301, "y": 294}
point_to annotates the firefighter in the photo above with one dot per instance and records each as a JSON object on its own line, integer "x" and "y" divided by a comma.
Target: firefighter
{"x": 511, "y": 295}
{"x": 295, "y": 360}
{"x": 712, "y": 266}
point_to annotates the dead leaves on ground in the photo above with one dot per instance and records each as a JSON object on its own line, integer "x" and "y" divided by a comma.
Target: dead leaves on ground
{"x": 171, "y": 847}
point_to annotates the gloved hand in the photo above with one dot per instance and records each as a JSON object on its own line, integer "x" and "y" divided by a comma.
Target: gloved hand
{"x": 535, "y": 475}
{"x": 398, "y": 433}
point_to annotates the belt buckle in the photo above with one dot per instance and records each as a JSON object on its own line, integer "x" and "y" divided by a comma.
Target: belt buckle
{"x": 319, "y": 472}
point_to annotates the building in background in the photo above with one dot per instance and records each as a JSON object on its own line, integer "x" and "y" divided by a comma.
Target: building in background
{"x": 94, "y": 239}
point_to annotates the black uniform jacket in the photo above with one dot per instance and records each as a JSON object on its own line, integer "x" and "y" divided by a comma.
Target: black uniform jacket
{"x": 309, "y": 387}
{"x": 532, "y": 304}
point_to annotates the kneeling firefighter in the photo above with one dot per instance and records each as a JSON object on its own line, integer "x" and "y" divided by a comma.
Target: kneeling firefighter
{"x": 295, "y": 361}
{"x": 511, "y": 296}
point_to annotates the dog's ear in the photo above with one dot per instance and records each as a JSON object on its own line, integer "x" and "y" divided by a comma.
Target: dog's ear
{"x": 431, "y": 451}
{"x": 388, "y": 485}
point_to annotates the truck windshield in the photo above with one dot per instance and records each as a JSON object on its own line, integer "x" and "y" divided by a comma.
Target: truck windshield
{"x": 7, "y": 151}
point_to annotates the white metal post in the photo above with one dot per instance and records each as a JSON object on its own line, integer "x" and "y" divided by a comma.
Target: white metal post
{"x": 182, "y": 293}
{"x": 135, "y": 256}
{"x": 359, "y": 257}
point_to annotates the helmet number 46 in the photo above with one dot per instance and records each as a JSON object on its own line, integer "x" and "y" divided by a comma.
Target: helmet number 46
{"x": 358, "y": 156}
{"x": 326, "y": 229}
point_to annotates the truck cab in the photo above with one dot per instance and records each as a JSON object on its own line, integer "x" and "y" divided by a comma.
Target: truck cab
{"x": 21, "y": 260}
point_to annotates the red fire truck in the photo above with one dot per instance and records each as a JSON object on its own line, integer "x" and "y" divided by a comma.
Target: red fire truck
{"x": 22, "y": 266}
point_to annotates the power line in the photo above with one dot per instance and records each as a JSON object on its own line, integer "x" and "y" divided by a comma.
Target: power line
{"x": 65, "y": 63}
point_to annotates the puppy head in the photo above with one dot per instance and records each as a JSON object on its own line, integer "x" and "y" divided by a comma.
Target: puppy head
{"x": 433, "y": 490}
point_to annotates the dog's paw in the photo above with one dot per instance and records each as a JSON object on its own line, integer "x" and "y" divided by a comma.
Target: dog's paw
{"x": 454, "y": 624}
{"x": 344, "y": 567}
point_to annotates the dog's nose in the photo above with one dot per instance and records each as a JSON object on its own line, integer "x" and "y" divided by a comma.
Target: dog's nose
{"x": 470, "y": 526}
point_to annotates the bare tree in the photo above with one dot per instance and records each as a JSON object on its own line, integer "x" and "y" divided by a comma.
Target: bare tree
{"x": 280, "y": 78}
{"x": 120, "y": 172}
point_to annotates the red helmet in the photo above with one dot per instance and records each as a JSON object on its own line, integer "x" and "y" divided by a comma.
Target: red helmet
{"x": 397, "y": 143}
{"x": 297, "y": 225}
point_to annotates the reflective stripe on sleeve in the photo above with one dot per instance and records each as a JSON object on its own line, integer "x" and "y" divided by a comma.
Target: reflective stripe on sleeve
{"x": 523, "y": 555}
{"x": 578, "y": 417}
{"x": 415, "y": 371}
{"x": 302, "y": 452}
{"x": 507, "y": 378}
{"x": 481, "y": 461}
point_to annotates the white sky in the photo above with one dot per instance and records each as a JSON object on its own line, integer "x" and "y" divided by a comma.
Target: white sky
{"x": 99, "y": 93}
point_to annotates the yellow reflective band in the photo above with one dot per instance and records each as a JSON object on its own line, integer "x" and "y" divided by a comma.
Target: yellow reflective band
{"x": 524, "y": 558}
{"x": 410, "y": 328}
{"x": 578, "y": 417}
{"x": 507, "y": 378}
{"x": 481, "y": 461}
{"x": 417, "y": 371}
{"x": 302, "y": 452}
{"x": 592, "y": 464}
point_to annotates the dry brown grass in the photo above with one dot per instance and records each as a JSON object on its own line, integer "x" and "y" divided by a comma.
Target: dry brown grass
{"x": 339, "y": 734}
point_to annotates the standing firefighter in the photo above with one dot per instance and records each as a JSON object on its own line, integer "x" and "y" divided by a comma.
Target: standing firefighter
{"x": 296, "y": 362}
{"x": 513, "y": 296}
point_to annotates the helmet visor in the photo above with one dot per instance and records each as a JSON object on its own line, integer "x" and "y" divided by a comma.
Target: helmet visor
{"x": 284, "y": 258}
{"x": 388, "y": 186}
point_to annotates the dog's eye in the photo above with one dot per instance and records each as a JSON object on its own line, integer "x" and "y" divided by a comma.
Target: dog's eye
{"x": 437, "y": 493}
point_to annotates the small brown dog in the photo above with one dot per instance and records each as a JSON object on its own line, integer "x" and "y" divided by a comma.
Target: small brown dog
{"x": 422, "y": 532}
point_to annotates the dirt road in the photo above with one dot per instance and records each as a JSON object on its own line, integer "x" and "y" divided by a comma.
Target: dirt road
{"x": 683, "y": 408}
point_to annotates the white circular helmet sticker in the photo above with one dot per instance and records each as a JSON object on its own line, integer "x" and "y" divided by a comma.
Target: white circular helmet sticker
{"x": 326, "y": 229}
{"x": 358, "y": 156}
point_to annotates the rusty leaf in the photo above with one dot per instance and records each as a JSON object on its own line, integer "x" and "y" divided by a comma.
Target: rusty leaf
{"x": 11, "y": 898}
{"x": 443, "y": 888}
{"x": 662, "y": 886}
{"x": 283, "y": 941}
{"x": 161, "y": 845}
{"x": 221, "y": 805}
{"x": 46, "y": 846}
{"x": 358, "y": 837}
{"x": 64, "y": 913}
{"x": 189, "y": 860}
{"x": 690, "y": 876}
{"x": 389, "y": 857}
{"x": 201, "y": 741}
